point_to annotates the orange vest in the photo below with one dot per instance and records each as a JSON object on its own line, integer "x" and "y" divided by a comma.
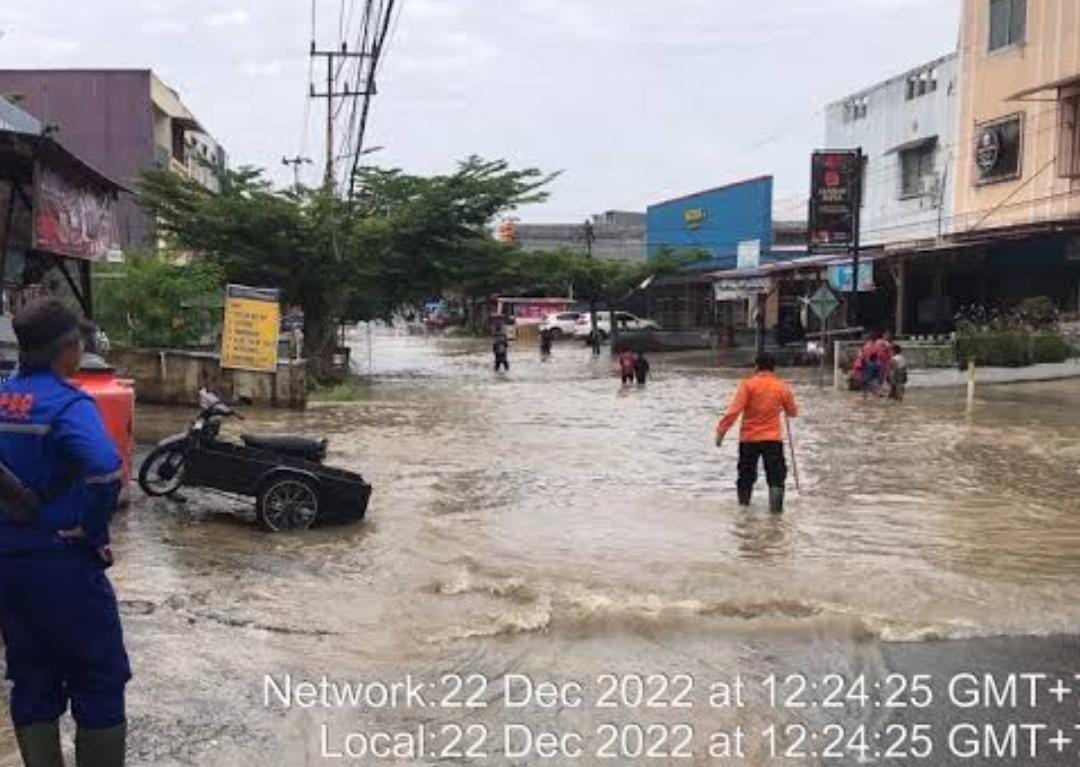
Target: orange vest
{"x": 760, "y": 400}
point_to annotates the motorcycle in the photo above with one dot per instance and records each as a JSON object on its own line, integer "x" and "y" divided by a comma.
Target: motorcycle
{"x": 291, "y": 487}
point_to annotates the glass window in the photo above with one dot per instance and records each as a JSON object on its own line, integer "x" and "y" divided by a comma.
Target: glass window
{"x": 1008, "y": 23}
{"x": 1069, "y": 137}
{"x": 917, "y": 170}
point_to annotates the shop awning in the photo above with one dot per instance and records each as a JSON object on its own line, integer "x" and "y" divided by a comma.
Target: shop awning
{"x": 1051, "y": 85}
{"x": 918, "y": 143}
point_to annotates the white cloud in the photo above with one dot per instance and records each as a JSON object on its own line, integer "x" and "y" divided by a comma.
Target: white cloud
{"x": 235, "y": 17}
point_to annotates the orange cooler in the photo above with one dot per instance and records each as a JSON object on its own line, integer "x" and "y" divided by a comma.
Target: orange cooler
{"x": 115, "y": 399}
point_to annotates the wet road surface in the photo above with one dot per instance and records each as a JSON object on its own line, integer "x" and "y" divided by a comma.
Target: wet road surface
{"x": 550, "y": 523}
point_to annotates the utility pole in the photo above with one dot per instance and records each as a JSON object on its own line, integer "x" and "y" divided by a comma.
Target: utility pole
{"x": 594, "y": 336}
{"x": 331, "y": 95}
{"x": 296, "y": 162}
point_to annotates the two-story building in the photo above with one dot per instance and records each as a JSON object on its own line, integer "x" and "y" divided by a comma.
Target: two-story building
{"x": 906, "y": 127}
{"x": 122, "y": 122}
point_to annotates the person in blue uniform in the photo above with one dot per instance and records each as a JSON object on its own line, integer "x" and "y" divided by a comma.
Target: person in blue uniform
{"x": 58, "y": 611}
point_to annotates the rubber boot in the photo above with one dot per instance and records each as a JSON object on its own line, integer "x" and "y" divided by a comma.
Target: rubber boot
{"x": 776, "y": 500}
{"x": 101, "y": 748}
{"x": 744, "y": 495}
{"x": 39, "y": 744}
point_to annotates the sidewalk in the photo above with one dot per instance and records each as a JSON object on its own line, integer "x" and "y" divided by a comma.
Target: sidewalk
{"x": 953, "y": 377}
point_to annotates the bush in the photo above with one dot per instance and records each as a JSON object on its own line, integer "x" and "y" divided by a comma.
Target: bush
{"x": 153, "y": 302}
{"x": 1013, "y": 348}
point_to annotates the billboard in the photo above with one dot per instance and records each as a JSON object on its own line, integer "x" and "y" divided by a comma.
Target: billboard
{"x": 835, "y": 179}
{"x": 73, "y": 220}
{"x": 249, "y": 340}
{"x": 721, "y": 224}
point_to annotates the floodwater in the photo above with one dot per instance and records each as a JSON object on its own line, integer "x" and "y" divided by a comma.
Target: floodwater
{"x": 552, "y": 524}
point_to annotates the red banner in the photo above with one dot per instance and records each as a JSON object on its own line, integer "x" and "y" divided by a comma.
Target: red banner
{"x": 73, "y": 220}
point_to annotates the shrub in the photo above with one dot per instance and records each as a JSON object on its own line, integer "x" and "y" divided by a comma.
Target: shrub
{"x": 1013, "y": 348}
{"x": 151, "y": 301}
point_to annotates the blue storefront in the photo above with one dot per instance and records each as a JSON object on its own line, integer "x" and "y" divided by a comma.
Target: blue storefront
{"x": 719, "y": 223}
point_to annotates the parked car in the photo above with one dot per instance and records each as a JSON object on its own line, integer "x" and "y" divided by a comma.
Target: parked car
{"x": 627, "y": 322}
{"x": 561, "y": 323}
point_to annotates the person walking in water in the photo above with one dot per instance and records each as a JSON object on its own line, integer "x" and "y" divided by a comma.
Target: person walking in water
{"x": 761, "y": 400}
{"x": 641, "y": 368}
{"x": 501, "y": 350}
{"x": 59, "y": 485}
{"x": 545, "y": 344}
{"x": 626, "y": 366}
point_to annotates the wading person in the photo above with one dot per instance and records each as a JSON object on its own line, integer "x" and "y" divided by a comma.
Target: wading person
{"x": 545, "y": 344}
{"x": 501, "y": 350}
{"x": 761, "y": 400}
{"x": 627, "y": 358}
{"x": 641, "y": 368}
{"x": 59, "y": 482}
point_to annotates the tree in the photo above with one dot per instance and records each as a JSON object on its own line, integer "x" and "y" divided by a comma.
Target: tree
{"x": 403, "y": 239}
{"x": 149, "y": 301}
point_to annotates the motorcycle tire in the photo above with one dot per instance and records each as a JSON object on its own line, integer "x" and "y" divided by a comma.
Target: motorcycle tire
{"x": 176, "y": 481}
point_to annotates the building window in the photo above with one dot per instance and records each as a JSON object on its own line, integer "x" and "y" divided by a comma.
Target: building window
{"x": 856, "y": 108}
{"x": 917, "y": 174}
{"x": 1008, "y": 23}
{"x": 998, "y": 149}
{"x": 1069, "y": 137}
{"x": 921, "y": 83}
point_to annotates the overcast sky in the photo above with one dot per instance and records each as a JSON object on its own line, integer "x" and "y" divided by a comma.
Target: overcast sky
{"x": 634, "y": 100}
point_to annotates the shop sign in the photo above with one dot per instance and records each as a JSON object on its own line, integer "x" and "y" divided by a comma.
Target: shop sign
{"x": 840, "y": 277}
{"x": 695, "y": 218}
{"x": 73, "y": 220}
{"x": 835, "y": 177}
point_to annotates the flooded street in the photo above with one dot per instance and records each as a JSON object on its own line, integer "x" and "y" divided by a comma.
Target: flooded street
{"x": 548, "y": 523}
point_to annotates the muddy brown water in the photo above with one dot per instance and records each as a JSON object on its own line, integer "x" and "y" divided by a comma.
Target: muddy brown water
{"x": 549, "y": 523}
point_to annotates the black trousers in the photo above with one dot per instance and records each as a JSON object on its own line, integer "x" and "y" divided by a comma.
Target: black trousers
{"x": 502, "y": 362}
{"x": 775, "y": 465}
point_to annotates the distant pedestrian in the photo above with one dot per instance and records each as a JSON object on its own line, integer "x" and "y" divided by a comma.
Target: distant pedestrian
{"x": 641, "y": 368}
{"x": 761, "y": 400}
{"x": 627, "y": 358}
{"x": 898, "y": 376}
{"x": 545, "y": 344}
{"x": 501, "y": 350}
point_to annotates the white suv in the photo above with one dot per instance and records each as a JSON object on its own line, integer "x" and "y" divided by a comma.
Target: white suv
{"x": 561, "y": 324}
{"x": 627, "y": 322}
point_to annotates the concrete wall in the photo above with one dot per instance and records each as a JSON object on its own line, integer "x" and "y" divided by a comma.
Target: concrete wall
{"x": 1049, "y": 55}
{"x": 716, "y": 220}
{"x": 619, "y": 236}
{"x": 882, "y": 119}
{"x": 175, "y": 377}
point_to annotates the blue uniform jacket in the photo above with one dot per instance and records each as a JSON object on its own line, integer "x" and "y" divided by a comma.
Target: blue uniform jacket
{"x": 52, "y": 437}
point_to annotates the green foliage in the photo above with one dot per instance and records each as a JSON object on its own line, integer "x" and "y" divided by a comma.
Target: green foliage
{"x": 403, "y": 239}
{"x": 150, "y": 301}
{"x": 1012, "y": 348}
{"x": 352, "y": 389}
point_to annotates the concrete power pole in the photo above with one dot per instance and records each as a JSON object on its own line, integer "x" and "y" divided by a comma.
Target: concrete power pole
{"x": 594, "y": 335}
{"x": 296, "y": 162}
{"x": 331, "y": 95}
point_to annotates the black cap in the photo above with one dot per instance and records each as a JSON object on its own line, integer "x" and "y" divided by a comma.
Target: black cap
{"x": 45, "y": 325}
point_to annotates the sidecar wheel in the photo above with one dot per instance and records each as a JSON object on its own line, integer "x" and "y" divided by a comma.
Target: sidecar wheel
{"x": 288, "y": 502}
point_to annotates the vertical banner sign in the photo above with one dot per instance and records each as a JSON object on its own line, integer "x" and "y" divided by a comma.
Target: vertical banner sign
{"x": 252, "y": 325}
{"x": 834, "y": 197}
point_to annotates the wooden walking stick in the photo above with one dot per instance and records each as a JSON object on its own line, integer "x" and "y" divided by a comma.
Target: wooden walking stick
{"x": 794, "y": 461}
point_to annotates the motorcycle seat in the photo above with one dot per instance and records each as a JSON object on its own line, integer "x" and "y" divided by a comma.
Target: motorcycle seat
{"x": 297, "y": 447}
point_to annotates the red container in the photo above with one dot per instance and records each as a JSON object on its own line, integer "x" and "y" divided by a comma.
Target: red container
{"x": 115, "y": 399}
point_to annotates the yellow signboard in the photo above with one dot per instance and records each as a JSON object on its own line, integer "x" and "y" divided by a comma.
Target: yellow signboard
{"x": 252, "y": 324}
{"x": 694, "y": 218}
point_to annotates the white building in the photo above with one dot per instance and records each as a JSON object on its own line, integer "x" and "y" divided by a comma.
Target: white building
{"x": 907, "y": 129}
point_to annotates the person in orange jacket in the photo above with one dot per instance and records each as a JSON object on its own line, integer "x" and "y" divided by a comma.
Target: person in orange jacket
{"x": 760, "y": 400}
